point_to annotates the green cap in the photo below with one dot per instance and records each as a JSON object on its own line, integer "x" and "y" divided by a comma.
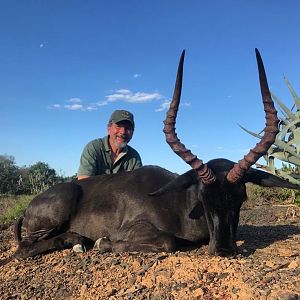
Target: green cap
{"x": 121, "y": 115}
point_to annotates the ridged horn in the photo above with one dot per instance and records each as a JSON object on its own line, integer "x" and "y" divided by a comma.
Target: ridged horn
{"x": 270, "y": 131}
{"x": 202, "y": 170}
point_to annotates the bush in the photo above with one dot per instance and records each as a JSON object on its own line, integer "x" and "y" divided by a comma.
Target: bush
{"x": 9, "y": 175}
{"x": 26, "y": 180}
{"x": 266, "y": 195}
{"x": 12, "y": 207}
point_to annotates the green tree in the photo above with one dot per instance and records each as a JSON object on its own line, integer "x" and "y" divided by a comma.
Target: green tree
{"x": 34, "y": 179}
{"x": 40, "y": 177}
{"x": 9, "y": 176}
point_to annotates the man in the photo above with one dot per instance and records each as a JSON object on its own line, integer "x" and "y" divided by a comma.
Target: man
{"x": 111, "y": 154}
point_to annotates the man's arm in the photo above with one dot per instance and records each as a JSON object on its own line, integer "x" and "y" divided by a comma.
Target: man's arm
{"x": 82, "y": 177}
{"x": 87, "y": 167}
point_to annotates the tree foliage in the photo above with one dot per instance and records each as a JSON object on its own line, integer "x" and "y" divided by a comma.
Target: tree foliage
{"x": 9, "y": 175}
{"x": 40, "y": 177}
{"x": 34, "y": 179}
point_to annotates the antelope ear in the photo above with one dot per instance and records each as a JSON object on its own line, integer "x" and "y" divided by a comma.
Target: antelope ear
{"x": 178, "y": 184}
{"x": 268, "y": 180}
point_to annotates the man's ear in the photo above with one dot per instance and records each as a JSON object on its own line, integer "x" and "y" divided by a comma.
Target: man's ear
{"x": 108, "y": 128}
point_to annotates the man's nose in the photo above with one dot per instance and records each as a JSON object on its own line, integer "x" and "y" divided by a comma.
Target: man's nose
{"x": 122, "y": 130}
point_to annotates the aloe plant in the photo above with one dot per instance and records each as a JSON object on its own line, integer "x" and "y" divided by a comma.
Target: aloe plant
{"x": 286, "y": 147}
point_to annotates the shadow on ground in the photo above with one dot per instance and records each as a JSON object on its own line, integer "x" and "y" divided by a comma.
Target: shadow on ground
{"x": 259, "y": 237}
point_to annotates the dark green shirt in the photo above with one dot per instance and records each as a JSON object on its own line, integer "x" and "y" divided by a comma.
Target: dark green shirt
{"x": 96, "y": 159}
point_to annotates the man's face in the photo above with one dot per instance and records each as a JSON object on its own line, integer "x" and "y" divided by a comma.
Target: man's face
{"x": 120, "y": 134}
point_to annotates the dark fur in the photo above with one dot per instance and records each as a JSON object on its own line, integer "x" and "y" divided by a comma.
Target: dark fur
{"x": 149, "y": 209}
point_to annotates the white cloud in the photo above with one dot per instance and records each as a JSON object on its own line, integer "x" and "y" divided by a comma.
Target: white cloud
{"x": 163, "y": 106}
{"x": 91, "y": 107}
{"x": 121, "y": 95}
{"x": 76, "y": 106}
{"x": 137, "y": 75}
{"x": 126, "y": 95}
{"x": 123, "y": 91}
{"x": 186, "y": 104}
{"x": 73, "y": 106}
{"x": 41, "y": 45}
{"x": 74, "y": 100}
{"x": 102, "y": 103}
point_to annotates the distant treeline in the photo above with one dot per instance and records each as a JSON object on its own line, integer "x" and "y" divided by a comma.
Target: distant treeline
{"x": 34, "y": 179}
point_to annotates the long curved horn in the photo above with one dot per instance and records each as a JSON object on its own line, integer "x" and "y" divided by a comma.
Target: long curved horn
{"x": 203, "y": 171}
{"x": 270, "y": 131}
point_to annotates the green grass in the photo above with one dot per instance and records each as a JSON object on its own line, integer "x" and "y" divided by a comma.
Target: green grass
{"x": 11, "y": 207}
{"x": 272, "y": 195}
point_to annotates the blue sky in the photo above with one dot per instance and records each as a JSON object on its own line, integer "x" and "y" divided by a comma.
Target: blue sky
{"x": 66, "y": 65}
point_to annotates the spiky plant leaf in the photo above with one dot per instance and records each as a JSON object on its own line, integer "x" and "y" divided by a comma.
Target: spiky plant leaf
{"x": 285, "y": 111}
{"x": 285, "y": 157}
{"x": 295, "y": 140}
{"x": 287, "y": 129}
{"x": 287, "y": 176}
{"x": 250, "y": 132}
{"x": 294, "y": 94}
{"x": 286, "y": 146}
